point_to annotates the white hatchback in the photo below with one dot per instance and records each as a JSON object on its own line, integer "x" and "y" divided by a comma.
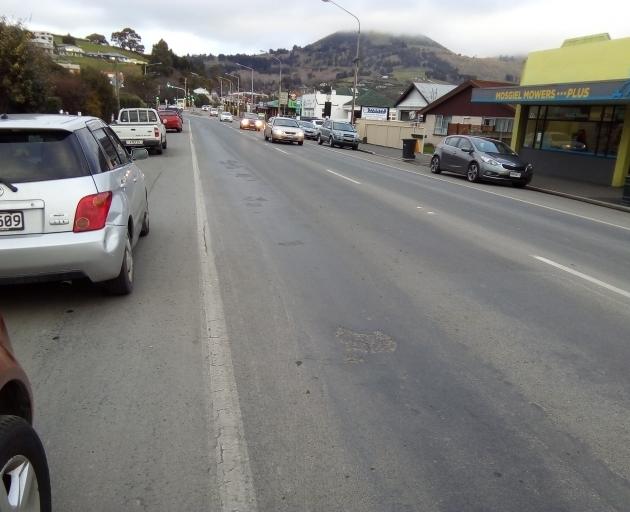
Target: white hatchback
{"x": 73, "y": 203}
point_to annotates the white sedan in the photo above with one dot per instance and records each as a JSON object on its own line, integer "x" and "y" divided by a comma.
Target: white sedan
{"x": 226, "y": 116}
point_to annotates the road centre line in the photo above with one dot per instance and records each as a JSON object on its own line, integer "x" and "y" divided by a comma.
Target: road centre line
{"x": 281, "y": 151}
{"x": 344, "y": 177}
{"x": 453, "y": 182}
{"x": 586, "y": 277}
{"x": 234, "y": 475}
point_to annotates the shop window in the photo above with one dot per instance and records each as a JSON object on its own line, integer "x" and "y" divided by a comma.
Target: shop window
{"x": 530, "y": 134}
{"x": 504, "y": 125}
{"x": 570, "y": 136}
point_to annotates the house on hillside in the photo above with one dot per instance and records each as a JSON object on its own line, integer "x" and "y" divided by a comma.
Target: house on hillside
{"x": 417, "y": 96}
{"x": 69, "y": 50}
{"x": 454, "y": 113}
{"x": 43, "y": 40}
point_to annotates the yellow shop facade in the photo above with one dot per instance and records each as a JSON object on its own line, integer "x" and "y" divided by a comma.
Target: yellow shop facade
{"x": 573, "y": 110}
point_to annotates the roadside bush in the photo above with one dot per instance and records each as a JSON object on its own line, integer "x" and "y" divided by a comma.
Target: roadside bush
{"x": 428, "y": 148}
{"x": 131, "y": 101}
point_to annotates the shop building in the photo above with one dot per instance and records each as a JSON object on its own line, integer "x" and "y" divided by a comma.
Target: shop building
{"x": 321, "y": 105}
{"x": 572, "y": 117}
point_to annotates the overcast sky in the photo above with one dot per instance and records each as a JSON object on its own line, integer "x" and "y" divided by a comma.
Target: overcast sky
{"x": 471, "y": 27}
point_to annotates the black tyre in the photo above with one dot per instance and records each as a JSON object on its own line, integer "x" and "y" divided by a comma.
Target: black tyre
{"x": 159, "y": 150}
{"x": 300, "y": 143}
{"x": 164, "y": 144}
{"x": 354, "y": 148}
{"x": 330, "y": 142}
{"x": 123, "y": 284}
{"x": 23, "y": 466}
{"x": 473, "y": 172}
{"x": 319, "y": 140}
{"x": 179, "y": 130}
{"x": 435, "y": 165}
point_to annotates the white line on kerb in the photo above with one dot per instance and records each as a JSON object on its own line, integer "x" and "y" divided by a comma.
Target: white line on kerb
{"x": 344, "y": 177}
{"x": 586, "y": 277}
{"x": 281, "y": 151}
{"x": 234, "y": 475}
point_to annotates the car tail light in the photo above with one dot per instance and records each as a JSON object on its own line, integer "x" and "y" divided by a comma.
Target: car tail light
{"x": 92, "y": 212}
{"x": 156, "y": 132}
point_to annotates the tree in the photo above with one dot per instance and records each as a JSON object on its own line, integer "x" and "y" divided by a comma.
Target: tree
{"x": 24, "y": 71}
{"x": 161, "y": 53}
{"x": 68, "y": 39}
{"x": 127, "y": 39}
{"x": 97, "y": 38}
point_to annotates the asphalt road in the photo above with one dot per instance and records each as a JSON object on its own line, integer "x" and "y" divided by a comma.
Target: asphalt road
{"x": 398, "y": 342}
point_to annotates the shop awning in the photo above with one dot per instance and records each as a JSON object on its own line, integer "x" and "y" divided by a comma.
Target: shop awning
{"x": 613, "y": 91}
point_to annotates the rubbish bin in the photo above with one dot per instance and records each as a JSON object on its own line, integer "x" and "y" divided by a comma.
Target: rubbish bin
{"x": 409, "y": 148}
{"x": 625, "y": 199}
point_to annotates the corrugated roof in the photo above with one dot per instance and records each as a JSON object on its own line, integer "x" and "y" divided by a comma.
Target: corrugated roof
{"x": 459, "y": 89}
{"x": 430, "y": 91}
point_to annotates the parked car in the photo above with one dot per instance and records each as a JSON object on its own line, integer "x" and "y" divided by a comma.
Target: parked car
{"x": 141, "y": 127}
{"x": 338, "y": 133}
{"x": 73, "y": 203}
{"x": 481, "y": 159}
{"x": 23, "y": 465}
{"x": 226, "y": 116}
{"x": 309, "y": 129}
{"x": 214, "y": 112}
{"x": 171, "y": 120}
{"x": 251, "y": 121}
{"x": 318, "y": 124}
{"x": 283, "y": 129}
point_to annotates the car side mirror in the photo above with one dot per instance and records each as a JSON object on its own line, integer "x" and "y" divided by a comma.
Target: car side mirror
{"x": 139, "y": 154}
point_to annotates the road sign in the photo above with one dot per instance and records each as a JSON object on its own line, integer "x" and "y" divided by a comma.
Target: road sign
{"x": 284, "y": 98}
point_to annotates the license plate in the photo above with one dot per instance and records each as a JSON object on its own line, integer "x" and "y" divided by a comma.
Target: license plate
{"x": 515, "y": 174}
{"x": 133, "y": 142}
{"x": 11, "y": 221}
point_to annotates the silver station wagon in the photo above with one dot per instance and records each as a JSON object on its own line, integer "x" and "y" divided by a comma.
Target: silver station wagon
{"x": 72, "y": 201}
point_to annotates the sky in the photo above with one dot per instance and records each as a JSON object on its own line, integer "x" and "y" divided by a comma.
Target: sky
{"x": 481, "y": 28}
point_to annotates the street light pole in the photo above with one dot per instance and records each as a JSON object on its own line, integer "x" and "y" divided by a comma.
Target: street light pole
{"x": 356, "y": 58}
{"x": 280, "y": 82}
{"x": 252, "y": 70}
{"x": 238, "y": 93}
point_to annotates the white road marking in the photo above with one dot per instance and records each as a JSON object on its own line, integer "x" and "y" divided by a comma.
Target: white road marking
{"x": 344, "y": 177}
{"x": 234, "y": 475}
{"x": 419, "y": 207}
{"x": 586, "y": 277}
{"x": 431, "y": 213}
{"x": 480, "y": 189}
{"x": 281, "y": 151}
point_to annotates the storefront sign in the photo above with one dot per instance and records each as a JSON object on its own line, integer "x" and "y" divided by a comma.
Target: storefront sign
{"x": 375, "y": 113}
{"x": 615, "y": 90}
{"x": 284, "y": 98}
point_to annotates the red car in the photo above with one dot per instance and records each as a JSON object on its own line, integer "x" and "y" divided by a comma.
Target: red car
{"x": 171, "y": 120}
{"x": 23, "y": 465}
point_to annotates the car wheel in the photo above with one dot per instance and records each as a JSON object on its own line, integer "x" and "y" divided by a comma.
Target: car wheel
{"x": 473, "y": 172}
{"x": 354, "y": 148}
{"x": 330, "y": 142}
{"x": 123, "y": 284}
{"x": 300, "y": 143}
{"x": 319, "y": 140}
{"x": 146, "y": 225}
{"x": 164, "y": 144}
{"x": 159, "y": 150}
{"x": 179, "y": 130}
{"x": 435, "y": 165}
{"x": 23, "y": 467}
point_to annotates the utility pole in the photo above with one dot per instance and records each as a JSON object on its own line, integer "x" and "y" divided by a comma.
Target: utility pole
{"x": 238, "y": 93}
{"x": 252, "y": 70}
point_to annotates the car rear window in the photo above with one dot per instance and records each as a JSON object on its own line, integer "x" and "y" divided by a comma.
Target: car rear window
{"x": 40, "y": 155}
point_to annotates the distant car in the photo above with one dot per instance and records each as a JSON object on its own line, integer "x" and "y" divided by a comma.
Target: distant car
{"x": 214, "y": 112}
{"x": 141, "y": 127}
{"x": 309, "y": 129}
{"x": 226, "y": 116}
{"x": 338, "y": 133}
{"x": 283, "y": 129}
{"x": 481, "y": 159}
{"x": 171, "y": 120}
{"x": 73, "y": 203}
{"x": 251, "y": 121}
{"x": 23, "y": 465}
{"x": 205, "y": 108}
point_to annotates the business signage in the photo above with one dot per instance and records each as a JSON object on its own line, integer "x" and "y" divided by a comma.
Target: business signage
{"x": 375, "y": 113}
{"x": 284, "y": 98}
{"x": 614, "y": 90}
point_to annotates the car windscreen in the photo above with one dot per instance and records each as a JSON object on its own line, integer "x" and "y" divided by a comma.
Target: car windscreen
{"x": 344, "y": 127}
{"x": 492, "y": 146}
{"x": 286, "y": 122}
{"x": 306, "y": 124}
{"x": 40, "y": 155}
